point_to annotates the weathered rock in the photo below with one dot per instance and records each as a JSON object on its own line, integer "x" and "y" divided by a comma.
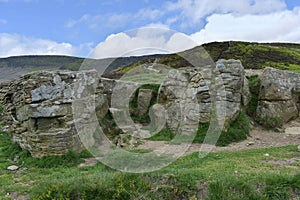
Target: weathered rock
{"x": 47, "y": 112}
{"x": 230, "y": 74}
{"x": 13, "y": 168}
{"x": 284, "y": 111}
{"x": 293, "y": 130}
{"x": 39, "y": 109}
{"x": 157, "y": 115}
{"x": 144, "y": 99}
{"x": 246, "y": 94}
{"x": 194, "y": 87}
{"x": 126, "y": 141}
{"x": 279, "y": 95}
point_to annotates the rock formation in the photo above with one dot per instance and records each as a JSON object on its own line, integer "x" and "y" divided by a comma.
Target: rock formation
{"x": 42, "y": 108}
{"x": 279, "y": 96}
{"x": 38, "y": 108}
{"x": 195, "y": 86}
{"x": 144, "y": 99}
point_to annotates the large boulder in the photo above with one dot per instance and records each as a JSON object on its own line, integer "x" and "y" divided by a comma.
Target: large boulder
{"x": 279, "y": 96}
{"x": 39, "y": 109}
{"x": 195, "y": 86}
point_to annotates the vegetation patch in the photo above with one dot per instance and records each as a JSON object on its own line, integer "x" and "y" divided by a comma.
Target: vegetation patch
{"x": 257, "y": 55}
{"x": 238, "y": 130}
{"x": 254, "y": 86}
{"x": 164, "y": 135}
{"x": 271, "y": 123}
{"x": 109, "y": 126}
{"x": 12, "y": 151}
{"x": 133, "y": 104}
{"x": 222, "y": 175}
{"x": 253, "y": 55}
{"x": 283, "y": 66}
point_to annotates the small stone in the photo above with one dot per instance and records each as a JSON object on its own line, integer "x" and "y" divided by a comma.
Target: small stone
{"x": 267, "y": 155}
{"x": 250, "y": 143}
{"x": 13, "y": 168}
{"x": 298, "y": 147}
{"x": 5, "y": 128}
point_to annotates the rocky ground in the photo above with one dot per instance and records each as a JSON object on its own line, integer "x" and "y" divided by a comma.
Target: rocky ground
{"x": 259, "y": 138}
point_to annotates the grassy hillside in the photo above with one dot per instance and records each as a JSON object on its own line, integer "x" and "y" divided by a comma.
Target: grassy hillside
{"x": 13, "y": 67}
{"x": 252, "y": 55}
{"x": 247, "y": 174}
{"x": 258, "y": 55}
{"x": 47, "y": 62}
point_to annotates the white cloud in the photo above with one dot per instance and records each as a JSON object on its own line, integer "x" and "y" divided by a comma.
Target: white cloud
{"x": 156, "y": 25}
{"x": 282, "y": 26}
{"x": 71, "y": 24}
{"x": 13, "y": 44}
{"x": 146, "y": 14}
{"x": 195, "y": 10}
{"x": 95, "y": 22}
{"x": 143, "y": 41}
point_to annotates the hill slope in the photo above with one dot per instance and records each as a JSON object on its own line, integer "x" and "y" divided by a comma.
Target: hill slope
{"x": 13, "y": 67}
{"x": 284, "y": 56}
{"x": 253, "y": 56}
{"x": 258, "y": 55}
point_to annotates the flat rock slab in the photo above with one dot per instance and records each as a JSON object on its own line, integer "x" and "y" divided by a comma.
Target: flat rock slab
{"x": 88, "y": 162}
{"x": 13, "y": 168}
{"x": 293, "y": 130}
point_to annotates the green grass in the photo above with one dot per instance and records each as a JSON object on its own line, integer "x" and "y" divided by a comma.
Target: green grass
{"x": 252, "y": 55}
{"x": 257, "y": 55}
{"x": 109, "y": 126}
{"x": 283, "y": 66}
{"x": 238, "y": 130}
{"x": 223, "y": 175}
{"x": 164, "y": 135}
{"x": 133, "y": 105}
{"x": 270, "y": 123}
{"x": 13, "y": 150}
{"x": 254, "y": 86}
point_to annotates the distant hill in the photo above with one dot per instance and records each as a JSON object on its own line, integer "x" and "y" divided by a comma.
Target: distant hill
{"x": 284, "y": 56}
{"x": 13, "y": 67}
{"x": 253, "y": 56}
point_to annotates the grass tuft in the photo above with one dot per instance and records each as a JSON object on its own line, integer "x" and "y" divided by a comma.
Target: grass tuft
{"x": 14, "y": 152}
{"x": 164, "y": 135}
{"x": 238, "y": 130}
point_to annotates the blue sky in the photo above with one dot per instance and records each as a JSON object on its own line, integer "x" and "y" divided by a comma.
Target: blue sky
{"x": 71, "y": 27}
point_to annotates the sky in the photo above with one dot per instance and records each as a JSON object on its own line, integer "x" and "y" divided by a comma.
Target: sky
{"x": 111, "y": 28}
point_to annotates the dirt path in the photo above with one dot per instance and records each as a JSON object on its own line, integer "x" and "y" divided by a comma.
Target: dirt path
{"x": 259, "y": 138}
